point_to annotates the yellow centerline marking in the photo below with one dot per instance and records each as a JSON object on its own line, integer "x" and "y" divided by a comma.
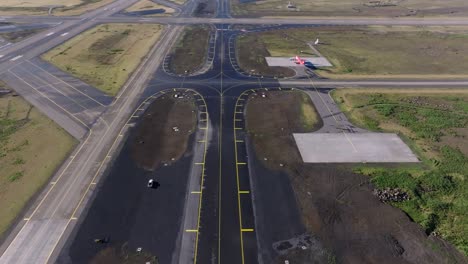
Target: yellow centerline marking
{"x": 199, "y": 163}
{"x": 247, "y": 230}
{"x": 192, "y": 231}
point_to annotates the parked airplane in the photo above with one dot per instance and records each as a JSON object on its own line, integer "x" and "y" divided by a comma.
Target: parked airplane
{"x": 298, "y": 60}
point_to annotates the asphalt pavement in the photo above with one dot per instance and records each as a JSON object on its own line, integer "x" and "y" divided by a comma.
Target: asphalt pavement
{"x": 227, "y": 222}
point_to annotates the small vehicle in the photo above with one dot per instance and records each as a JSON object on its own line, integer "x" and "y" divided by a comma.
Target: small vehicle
{"x": 151, "y": 183}
{"x": 101, "y": 240}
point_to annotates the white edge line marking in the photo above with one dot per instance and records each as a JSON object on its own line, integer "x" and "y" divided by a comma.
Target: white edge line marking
{"x": 17, "y": 57}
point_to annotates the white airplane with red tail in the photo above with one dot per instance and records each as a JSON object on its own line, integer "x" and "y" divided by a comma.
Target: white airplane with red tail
{"x": 298, "y": 60}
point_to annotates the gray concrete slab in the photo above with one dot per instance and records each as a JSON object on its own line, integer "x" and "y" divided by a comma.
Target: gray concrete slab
{"x": 289, "y": 61}
{"x": 353, "y": 148}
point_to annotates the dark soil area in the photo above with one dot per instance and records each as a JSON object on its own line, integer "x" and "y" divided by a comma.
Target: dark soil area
{"x": 251, "y": 53}
{"x": 205, "y": 8}
{"x": 284, "y": 116}
{"x": 336, "y": 207}
{"x": 17, "y": 36}
{"x": 163, "y": 134}
{"x": 124, "y": 256}
{"x": 191, "y": 51}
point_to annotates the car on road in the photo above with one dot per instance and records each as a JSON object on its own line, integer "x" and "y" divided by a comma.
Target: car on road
{"x": 151, "y": 183}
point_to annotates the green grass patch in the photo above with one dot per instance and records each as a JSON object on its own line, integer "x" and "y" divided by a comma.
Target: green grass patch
{"x": 436, "y": 123}
{"x": 106, "y": 55}
{"x": 31, "y": 149}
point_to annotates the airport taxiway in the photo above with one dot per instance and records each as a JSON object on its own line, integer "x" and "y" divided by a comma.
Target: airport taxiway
{"x": 227, "y": 231}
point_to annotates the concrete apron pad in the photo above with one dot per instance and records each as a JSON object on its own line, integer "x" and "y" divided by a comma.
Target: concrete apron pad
{"x": 289, "y": 62}
{"x": 353, "y": 148}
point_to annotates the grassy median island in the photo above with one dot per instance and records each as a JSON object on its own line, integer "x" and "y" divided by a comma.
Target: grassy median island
{"x": 191, "y": 50}
{"x": 251, "y": 51}
{"x": 378, "y": 51}
{"x": 32, "y": 147}
{"x": 106, "y": 55}
{"x": 41, "y": 7}
{"x": 17, "y": 36}
{"x": 163, "y": 134}
{"x": 288, "y": 112}
{"x": 435, "y": 122}
{"x": 387, "y": 8}
{"x": 148, "y": 5}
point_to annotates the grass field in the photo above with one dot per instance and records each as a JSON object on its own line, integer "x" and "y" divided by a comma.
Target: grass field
{"x": 191, "y": 50}
{"x": 429, "y": 52}
{"x": 106, "y": 55}
{"x": 145, "y": 5}
{"x": 41, "y": 7}
{"x": 388, "y": 8}
{"x": 38, "y": 3}
{"x": 180, "y": 2}
{"x": 435, "y": 124}
{"x": 31, "y": 149}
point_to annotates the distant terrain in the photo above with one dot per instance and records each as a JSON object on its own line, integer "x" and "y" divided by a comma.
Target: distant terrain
{"x": 387, "y": 8}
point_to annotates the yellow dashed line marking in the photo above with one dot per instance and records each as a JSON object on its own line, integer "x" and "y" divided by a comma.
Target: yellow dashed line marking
{"x": 247, "y": 230}
{"x": 196, "y": 192}
{"x": 191, "y": 230}
{"x": 241, "y": 163}
{"x": 199, "y": 163}
{"x": 244, "y": 192}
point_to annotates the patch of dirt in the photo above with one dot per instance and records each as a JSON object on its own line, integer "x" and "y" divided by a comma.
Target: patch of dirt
{"x": 456, "y": 138}
{"x": 338, "y": 206}
{"x": 277, "y": 126}
{"x": 251, "y": 53}
{"x": 205, "y": 8}
{"x": 163, "y": 131}
{"x": 20, "y": 35}
{"x": 191, "y": 52}
{"x": 123, "y": 255}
